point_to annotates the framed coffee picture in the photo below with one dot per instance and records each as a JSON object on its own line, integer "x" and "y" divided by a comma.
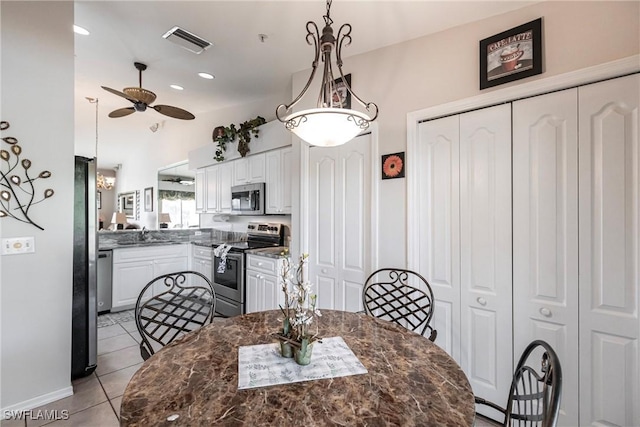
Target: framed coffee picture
{"x": 511, "y": 55}
{"x": 341, "y": 97}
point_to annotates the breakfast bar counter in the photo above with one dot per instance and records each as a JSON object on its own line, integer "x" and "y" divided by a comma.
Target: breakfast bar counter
{"x": 410, "y": 381}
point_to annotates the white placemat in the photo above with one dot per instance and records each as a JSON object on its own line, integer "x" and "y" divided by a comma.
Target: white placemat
{"x": 261, "y": 365}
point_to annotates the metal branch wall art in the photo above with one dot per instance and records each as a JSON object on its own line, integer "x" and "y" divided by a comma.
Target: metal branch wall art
{"x": 17, "y": 190}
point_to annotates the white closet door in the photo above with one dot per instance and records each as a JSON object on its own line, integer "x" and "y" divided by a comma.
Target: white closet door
{"x": 486, "y": 255}
{"x": 545, "y": 233}
{"x": 609, "y": 199}
{"x": 339, "y": 222}
{"x": 438, "y": 157}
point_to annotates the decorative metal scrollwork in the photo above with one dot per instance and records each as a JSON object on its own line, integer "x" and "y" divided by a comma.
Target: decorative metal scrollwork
{"x": 17, "y": 190}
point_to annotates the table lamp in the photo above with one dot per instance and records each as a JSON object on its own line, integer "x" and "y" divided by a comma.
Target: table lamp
{"x": 119, "y": 218}
{"x": 163, "y": 219}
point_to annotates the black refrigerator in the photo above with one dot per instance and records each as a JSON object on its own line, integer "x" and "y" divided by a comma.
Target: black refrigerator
{"x": 84, "y": 323}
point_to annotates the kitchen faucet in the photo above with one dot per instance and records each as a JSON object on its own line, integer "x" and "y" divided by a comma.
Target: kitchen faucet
{"x": 144, "y": 233}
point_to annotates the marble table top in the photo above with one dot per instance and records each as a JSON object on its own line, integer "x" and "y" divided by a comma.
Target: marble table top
{"x": 194, "y": 380}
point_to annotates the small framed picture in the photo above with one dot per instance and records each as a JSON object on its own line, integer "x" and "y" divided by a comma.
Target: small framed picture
{"x": 393, "y": 166}
{"x": 99, "y": 199}
{"x": 342, "y": 97}
{"x": 148, "y": 199}
{"x": 511, "y": 55}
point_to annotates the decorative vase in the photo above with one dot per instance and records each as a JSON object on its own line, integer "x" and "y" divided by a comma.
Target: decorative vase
{"x": 302, "y": 355}
{"x": 286, "y": 349}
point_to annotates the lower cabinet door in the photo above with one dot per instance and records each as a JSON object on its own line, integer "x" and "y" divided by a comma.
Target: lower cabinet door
{"x": 254, "y": 292}
{"x": 128, "y": 280}
{"x": 166, "y": 266}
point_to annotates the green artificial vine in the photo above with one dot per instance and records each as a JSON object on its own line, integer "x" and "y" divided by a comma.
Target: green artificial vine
{"x": 222, "y": 135}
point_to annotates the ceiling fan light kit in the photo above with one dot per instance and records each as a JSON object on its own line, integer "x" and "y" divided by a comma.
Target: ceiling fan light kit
{"x": 142, "y": 98}
{"x": 327, "y": 125}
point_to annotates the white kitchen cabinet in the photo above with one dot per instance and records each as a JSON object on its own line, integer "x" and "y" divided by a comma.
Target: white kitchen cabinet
{"x": 201, "y": 190}
{"x": 213, "y": 188}
{"x": 278, "y": 181}
{"x": 133, "y": 268}
{"x": 248, "y": 170}
{"x": 201, "y": 260}
{"x": 263, "y": 283}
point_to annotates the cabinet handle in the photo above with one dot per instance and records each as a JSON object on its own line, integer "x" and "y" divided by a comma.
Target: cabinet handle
{"x": 324, "y": 271}
{"x": 482, "y": 301}
{"x": 545, "y": 312}
{"x": 259, "y": 264}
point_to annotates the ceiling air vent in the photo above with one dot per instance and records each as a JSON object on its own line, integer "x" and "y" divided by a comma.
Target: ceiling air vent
{"x": 187, "y": 40}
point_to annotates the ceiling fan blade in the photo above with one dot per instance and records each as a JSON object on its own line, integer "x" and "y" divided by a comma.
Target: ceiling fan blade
{"x": 175, "y": 112}
{"x": 117, "y": 92}
{"x": 121, "y": 112}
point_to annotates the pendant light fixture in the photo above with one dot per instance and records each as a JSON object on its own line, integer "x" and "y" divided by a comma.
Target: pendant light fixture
{"x": 329, "y": 124}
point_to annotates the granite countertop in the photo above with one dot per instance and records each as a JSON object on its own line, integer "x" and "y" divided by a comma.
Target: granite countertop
{"x": 272, "y": 252}
{"x": 194, "y": 380}
{"x": 137, "y": 244}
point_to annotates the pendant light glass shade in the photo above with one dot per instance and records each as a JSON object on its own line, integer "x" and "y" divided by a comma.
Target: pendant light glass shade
{"x": 327, "y": 125}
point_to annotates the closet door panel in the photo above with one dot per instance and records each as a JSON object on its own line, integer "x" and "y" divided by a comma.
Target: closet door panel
{"x": 439, "y": 237}
{"x": 486, "y": 253}
{"x": 545, "y": 233}
{"x": 339, "y": 222}
{"x": 609, "y": 165}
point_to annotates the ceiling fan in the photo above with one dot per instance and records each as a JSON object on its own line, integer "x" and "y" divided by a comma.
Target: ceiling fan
{"x": 180, "y": 180}
{"x": 141, "y": 99}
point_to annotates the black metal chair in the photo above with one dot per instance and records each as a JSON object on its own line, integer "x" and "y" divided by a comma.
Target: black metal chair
{"x": 393, "y": 298}
{"x": 170, "y": 306}
{"x": 534, "y": 397}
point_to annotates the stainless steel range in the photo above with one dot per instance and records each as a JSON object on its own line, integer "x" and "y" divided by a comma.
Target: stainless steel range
{"x": 229, "y": 274}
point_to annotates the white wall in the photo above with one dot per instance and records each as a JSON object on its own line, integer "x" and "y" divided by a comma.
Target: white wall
{"x": 37, "y": 99}
{"x": 443, "y": 67}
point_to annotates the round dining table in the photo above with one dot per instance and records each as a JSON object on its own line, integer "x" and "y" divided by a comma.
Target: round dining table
{"x": 193, "y": 381}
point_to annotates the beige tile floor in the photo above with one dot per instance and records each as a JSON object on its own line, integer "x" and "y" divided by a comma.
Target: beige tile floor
{"x": 97, "y": 397}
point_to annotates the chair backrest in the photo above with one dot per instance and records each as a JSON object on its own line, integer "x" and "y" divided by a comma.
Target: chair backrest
{"x": 170, "y": 306}
{"x": 388, "y": 294}
{"x": 536, "y": 389}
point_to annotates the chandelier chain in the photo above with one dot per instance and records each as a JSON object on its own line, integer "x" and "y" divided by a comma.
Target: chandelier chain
{"x": 327, "y": 18}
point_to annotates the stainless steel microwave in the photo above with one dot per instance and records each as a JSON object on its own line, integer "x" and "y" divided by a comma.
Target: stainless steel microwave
{"x": 247, "y": 199}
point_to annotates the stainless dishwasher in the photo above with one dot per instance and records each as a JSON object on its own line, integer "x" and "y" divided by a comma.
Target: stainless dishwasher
{"x": 104, "y": 281}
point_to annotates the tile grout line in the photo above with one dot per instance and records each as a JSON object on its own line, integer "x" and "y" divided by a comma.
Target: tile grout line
{"x": 108, "y": 398}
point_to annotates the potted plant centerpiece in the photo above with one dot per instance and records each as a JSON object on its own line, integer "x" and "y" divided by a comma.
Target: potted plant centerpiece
{"x": 299, "y": 311}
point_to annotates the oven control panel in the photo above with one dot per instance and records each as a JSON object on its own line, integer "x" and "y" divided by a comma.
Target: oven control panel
{"x": 264, "y": 228}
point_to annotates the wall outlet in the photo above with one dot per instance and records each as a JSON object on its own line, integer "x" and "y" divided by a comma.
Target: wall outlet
{"x": 18, "y": 245}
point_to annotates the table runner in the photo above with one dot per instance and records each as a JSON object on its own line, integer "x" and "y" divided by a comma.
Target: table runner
{"x": 262, "y": 366}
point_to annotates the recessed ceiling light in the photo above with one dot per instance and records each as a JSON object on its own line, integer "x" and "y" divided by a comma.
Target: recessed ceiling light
{"x": 79, "y": 30}
{"x": 206, "y": 76}
{"x": 176, "y": 87}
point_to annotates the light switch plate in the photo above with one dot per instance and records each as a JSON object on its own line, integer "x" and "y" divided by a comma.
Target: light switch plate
{"x": 18, "y": 245}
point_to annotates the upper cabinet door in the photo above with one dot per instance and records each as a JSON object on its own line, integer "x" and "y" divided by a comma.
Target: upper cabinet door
{"x": 485, "y": 251}
{"x": 201, "y": 190}
{"x": 545, "y": 233}
{"x": 609, "y": 203}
